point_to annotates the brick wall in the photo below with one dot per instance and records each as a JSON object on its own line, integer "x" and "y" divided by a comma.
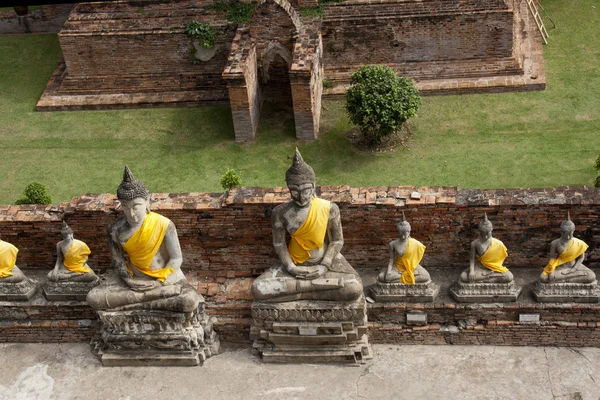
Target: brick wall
{"x": 233, "y": 234}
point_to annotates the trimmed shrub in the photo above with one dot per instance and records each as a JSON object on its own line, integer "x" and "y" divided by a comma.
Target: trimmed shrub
{"x": 379, "y": 101}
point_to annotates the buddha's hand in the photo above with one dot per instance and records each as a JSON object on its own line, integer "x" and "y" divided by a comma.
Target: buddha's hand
{"x": 307, "y": 272}
{"x": 140, "y": 285}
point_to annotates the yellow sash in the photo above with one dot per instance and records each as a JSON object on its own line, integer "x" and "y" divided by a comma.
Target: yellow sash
{"x": 144, "y": 244}
{"x": 410, "y": 260}
{"x": 77, "y": 256}
{"x": 494, "y": 256}
{"x": 311, "y": 234}
{"x": 8, "y": 258}
{"x": 575, "y": 248}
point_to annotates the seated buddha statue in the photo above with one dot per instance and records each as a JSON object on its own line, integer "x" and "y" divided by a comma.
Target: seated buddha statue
{"x": 146, "y": 254}
{"x": 9, "y": 272}
{"x": 487, "y": 256}
{"x": 566, "y": 258}
{"x": 311, "y": 265}
{"x": 405, "y": 257}
{"x": 71, "y": 261}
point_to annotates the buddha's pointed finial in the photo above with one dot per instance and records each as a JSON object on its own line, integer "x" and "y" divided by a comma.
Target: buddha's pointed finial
{"x": 567, "y": 225}
{"x": 299, "y": 172}
{"x": 485, "y": 225}
{"x": 131, "y": 188}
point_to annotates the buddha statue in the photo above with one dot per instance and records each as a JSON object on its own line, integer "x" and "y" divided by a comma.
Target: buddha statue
{"x": 146, "y": 254}
{"x": 405, "y": 257}
{"x": 311, "y": 265}
{"x": 71, "y": 261}
{"x": 487, "y": 256}
{"x": 566, "y": 258}
{"x": 9, "y": 272}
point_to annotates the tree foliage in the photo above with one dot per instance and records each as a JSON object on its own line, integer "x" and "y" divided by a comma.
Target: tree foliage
{"x": 35, "y": 193}
{"x": 230, "y": 179}
{"x": 379, "y": 101}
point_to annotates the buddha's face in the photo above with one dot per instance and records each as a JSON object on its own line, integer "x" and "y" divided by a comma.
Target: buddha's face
{"x": 403, "y": 234}
{"x": 302, "y": 194}
{"x": 135, "y": 210}
{"x": 485, "y": 234}
{"x": 67, "y": 236}
{"x": 566, "y": 234}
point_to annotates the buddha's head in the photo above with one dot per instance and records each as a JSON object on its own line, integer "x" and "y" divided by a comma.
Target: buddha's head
{"x": 300, "y": 179}
{"x": 567, "y": 227}
{"x": 403, "y": 228}
{"x": 485, "y": 228}
{"x": 66, "y": 231}
{"x": 134, "y": 198}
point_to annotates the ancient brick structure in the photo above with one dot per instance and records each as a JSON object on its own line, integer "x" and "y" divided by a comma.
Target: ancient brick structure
{"x": 133, "y": 54}
{"x": 226, "y": 242}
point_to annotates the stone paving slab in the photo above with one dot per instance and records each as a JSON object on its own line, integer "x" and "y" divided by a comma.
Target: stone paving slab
{"x": 70, "y": 371}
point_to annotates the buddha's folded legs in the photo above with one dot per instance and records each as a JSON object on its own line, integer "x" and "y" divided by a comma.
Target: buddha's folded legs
{"x": 179, "y": 297}
{"x": 484, "y": 275}
{"x": 567, "y": 274}
{"x": 278, "y": 285}
{"x": 17, "y": 276}
{"x": 420, "y": 273}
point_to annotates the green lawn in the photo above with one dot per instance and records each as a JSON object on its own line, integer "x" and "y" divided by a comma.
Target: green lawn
{"x": 536, "y": 139}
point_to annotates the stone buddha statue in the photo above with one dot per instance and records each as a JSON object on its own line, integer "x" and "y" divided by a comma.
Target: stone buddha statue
{"x": 311, "y": 265}
{"x": 405, "y": 257}
{"x": 71, "y": 261}
{"x": 487, "y": 256}
{"x": 566, "y": 258}
{"x": 146, "y": 254}
{"x": 9, "y": 272}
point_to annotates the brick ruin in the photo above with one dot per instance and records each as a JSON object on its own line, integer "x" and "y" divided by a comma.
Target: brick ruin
{"x": 226, "y": 242}
{"x": 135, "y": 54}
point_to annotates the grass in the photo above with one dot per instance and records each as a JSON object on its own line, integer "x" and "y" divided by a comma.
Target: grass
{"x": 536, "y": 139}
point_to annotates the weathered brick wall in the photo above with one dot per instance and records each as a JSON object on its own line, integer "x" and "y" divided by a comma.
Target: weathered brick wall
{"x": 220, "y": 234}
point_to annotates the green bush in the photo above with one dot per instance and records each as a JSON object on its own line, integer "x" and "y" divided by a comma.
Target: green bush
{"x": 597, "y": 183}
{"x": 327, "y": 83}
{"x": 312, "y": 12}
{"x": 202, "y": 32}
{"x": 379, "y": 101}
{"x": 35, "y": 193}
{"x": 598, "y": 164}
{"x": 230, "y": 179}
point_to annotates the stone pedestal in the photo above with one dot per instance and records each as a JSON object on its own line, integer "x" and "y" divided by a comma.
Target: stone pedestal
{"x": 154, "y": 338}
{"x": 67, "y": 291}
{"x": 311, "y": 331}
{"x": 399, "y": 292}
{"x": 485, "y": 292}
{"x": 21, "y": 291}
{"x": 566, "y": 292}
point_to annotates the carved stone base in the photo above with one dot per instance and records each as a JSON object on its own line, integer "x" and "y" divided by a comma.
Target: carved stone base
{"x": 154, "y": 338}
{"x": 66, "y": 291}
{"x": 21, "y": 291}
{"x": 311, "y": 331}
{"x": 485, "y": 292}
{"x": 418, "y": 293}
{"x": 566, "y": 292}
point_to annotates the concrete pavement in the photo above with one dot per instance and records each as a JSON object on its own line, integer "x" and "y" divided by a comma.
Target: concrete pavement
{"x": 70, "y": 371}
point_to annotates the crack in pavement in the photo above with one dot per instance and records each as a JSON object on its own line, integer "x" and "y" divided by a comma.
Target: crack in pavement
{"x": 548, "y": 373}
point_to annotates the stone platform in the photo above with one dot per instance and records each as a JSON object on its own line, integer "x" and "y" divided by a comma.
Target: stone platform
{"x": 399, "y": 292}
{"x": 485, "y": 292}
{"x": 154, "y": 338}
{"x": 67, "y": 291}
{"x": 311, "y": 331}
{"x": 21, "y": 291}
{"x": 566, "y": 292}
